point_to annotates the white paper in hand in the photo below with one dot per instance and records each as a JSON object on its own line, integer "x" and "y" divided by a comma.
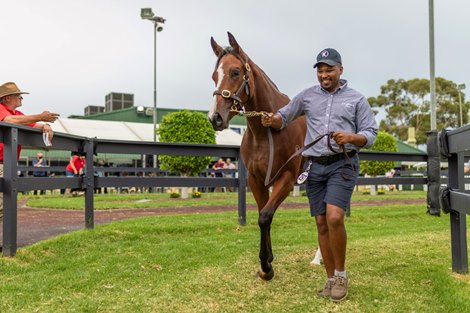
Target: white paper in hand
{"x": 46, "y": 140}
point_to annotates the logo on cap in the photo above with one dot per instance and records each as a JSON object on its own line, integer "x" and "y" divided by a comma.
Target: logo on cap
{"x": 325, "y": 53}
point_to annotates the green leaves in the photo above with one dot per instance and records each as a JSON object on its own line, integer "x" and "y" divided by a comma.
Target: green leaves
{"x": 185, "y": 127}
{"x": 407, "y": 103}
{"x": 384, "y": 142}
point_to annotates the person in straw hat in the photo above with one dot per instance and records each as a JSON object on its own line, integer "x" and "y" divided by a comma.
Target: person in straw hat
{"x": 11, "y": 99}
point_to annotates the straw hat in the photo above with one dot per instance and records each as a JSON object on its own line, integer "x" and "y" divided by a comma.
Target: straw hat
{"x": 10, "y": 88}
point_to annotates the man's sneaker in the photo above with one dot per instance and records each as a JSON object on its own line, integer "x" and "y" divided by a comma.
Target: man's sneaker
{"x": 326, "y": 291}
{"x": 339, "y": 289}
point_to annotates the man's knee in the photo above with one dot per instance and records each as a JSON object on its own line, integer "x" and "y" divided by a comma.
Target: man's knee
{"x": 335, "y": 216}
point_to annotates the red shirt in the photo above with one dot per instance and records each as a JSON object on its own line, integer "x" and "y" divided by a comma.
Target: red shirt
{"x": 78, "y": 162}
{"x": 4, "y": 112}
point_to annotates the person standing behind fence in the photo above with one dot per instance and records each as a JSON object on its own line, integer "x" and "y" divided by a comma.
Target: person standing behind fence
{"x": 232, "y": 167}
{"x": 10, "y": 99}
{"x": 332, "y": 108}
{"x": 74, "y": 168}
{"x": 39, "y": 161}
{"x": 218, "y": 167}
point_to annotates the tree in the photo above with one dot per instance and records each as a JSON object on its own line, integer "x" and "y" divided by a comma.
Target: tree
{"x": 185, "y": 127}
{"x": 384, "y": 142}
{"x": 407, "y": 103}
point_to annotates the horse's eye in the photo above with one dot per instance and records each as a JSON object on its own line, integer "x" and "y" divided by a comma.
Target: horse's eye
{"x": 235, "y": 73}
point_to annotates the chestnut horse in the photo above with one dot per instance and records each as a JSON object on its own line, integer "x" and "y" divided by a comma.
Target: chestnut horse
{"x": 242, "y": 85}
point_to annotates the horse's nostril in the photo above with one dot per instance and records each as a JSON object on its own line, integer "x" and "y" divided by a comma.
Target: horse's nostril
{"x": 218, "y": 120}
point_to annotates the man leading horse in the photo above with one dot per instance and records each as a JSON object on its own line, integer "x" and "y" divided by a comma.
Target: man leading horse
{"x": 331, "y": 107}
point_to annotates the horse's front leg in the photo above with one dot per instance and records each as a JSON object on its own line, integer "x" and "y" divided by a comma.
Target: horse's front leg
{"x": 265, "y": 253}
{"x": 281, "y": 190}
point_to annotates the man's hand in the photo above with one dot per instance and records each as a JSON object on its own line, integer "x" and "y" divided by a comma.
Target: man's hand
{"x": 50, "y": 117}
{"x": 267, "y": 119}
{"x": 343, "y": 138}
{"x": 48, "y": 130}
{"x": 273, "y": 120}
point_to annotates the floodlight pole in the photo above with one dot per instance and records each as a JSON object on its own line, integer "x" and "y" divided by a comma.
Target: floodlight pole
{"x": 154, "y": 115}
{"x": 432, "y": 79}
{"x": 459, "y": 88}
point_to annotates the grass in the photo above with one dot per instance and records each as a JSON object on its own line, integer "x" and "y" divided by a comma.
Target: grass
{"x": 398, "y": 261}
{"x": 159, "y": 200}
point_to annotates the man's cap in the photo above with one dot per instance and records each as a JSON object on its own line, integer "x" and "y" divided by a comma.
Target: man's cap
{"x": 328, "y": 56}
{"x": 10, "y": 88}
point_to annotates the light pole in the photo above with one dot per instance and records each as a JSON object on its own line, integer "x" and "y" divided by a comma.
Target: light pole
{"x": 432, "y": 79}
{"x": 459, "y": 88}
{"x": 147, "y": 14}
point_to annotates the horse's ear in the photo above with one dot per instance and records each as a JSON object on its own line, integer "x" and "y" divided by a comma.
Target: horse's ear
{"x": 216, "y": 48}
{"x": 233, "y": 43}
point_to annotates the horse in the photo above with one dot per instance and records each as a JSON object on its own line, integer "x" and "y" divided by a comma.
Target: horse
{"x": 243, "y": 88}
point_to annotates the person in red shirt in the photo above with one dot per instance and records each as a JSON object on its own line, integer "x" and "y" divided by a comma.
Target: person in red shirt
{"x": 11, "y": 99}
{"x": 75, "y": 167}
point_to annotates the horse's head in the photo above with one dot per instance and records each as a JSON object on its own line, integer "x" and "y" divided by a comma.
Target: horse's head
{"x": 234, "y": 83}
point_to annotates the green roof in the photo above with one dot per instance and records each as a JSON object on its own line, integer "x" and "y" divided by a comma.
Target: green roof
{"x": 131, "y": 115}
{"x": 404, "y": 147}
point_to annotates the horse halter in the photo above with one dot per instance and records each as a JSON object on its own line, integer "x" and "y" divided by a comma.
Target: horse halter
{"x": 238, "y": 105}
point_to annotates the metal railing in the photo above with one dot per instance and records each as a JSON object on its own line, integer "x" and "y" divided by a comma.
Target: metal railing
{"x": 11, "y": 183}
{"x": 457, "y": 202}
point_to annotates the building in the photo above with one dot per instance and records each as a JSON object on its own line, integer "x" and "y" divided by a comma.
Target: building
{"x": 118, "y": 101}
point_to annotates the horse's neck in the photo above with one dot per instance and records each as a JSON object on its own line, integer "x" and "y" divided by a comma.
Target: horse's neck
{"x": 266, "y": 98}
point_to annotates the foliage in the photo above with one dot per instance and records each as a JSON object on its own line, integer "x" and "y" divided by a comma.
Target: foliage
{"x": 384, "y": 142}
{"x": 407, "y": 103}
{"x": 175, "y": 195}
{"x": 186, "y": 127}
{"x": 196, "y": 194}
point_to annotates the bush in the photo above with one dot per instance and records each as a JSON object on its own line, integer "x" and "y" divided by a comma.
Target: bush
{"x": 196, "y": 194}
{"x": 384, "y": 142}
{"x": 175, "y": 195}
{"x": 185, "y": 127}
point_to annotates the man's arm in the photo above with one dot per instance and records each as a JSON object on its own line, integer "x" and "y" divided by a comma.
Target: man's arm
{"x": 45, "y": 116}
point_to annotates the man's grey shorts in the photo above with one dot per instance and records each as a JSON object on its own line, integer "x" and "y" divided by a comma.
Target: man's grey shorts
{"x": 332, "y": 184}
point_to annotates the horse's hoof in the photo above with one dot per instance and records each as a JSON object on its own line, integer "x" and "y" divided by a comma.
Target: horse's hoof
{"x": 265, "y": 276}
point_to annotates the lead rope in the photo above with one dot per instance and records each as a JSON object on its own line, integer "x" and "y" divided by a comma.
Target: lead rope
{"x": 303, "y": 176}
{"x": 268, "y": 181}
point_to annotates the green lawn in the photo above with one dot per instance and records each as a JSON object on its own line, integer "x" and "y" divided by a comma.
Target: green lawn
{"x": 398, "y": 261}
{"x": 163, "y": 200}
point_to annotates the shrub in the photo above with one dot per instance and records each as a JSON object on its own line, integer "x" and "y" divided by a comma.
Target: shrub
{"x": 186, "y": 127}
{"x": 196, "y": 194}
{"x": 384, "y": 142}
{"x": 175, "y": 195}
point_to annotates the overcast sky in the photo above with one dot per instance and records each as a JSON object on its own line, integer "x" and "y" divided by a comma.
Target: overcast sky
{"x": 70, "y": 54}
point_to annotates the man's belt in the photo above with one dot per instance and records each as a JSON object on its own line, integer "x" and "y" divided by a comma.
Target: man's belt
{"x": 330, "y": 159}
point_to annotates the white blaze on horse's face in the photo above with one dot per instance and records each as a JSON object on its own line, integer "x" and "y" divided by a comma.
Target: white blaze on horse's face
{"x": 220, "y": 78}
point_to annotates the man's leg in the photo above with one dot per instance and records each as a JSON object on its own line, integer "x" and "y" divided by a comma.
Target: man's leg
{"x": 327, "y": 254}
{"x": 337, "y": 241}
{"x": 325, "y": 246}
{"x": 337, "y": 235}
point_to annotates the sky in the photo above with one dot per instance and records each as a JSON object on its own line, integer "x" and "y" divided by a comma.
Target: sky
{"x": 70, "y": 54}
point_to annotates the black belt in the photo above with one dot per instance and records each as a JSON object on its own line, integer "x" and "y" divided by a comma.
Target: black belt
{"x": 330, "y": 159}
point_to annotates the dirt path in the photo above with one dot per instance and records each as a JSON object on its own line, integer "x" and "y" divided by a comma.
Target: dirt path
{"x": 38, "y": 224}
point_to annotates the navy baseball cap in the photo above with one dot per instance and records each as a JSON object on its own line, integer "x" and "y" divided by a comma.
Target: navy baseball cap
{"x": 328, "y": 56}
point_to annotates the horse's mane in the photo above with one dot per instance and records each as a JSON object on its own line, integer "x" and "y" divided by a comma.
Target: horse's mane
{"x": 229, "y": 50}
